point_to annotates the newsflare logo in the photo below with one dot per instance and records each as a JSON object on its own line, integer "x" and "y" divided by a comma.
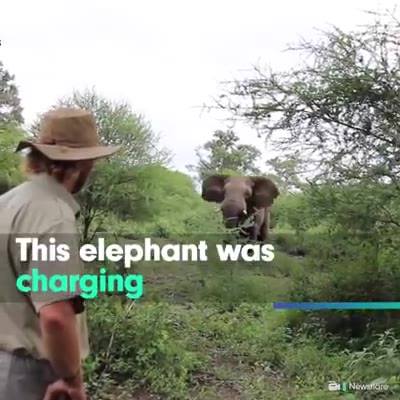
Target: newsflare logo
{"x": 337, "y": 387}
{"x": 375, "y": 386}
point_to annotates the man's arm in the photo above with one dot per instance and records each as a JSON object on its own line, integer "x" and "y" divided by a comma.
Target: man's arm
{"x": 58, "y": 324}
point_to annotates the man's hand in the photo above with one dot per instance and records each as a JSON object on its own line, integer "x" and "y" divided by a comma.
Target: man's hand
{"x": 61, "y": 390}
{"x": 59, "y": 333}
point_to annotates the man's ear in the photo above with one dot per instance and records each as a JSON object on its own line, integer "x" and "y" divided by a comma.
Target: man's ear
{"x": 213, "y": 188}
{"x": 264, "y": 191}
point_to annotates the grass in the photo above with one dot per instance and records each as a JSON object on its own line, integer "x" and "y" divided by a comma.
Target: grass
{"x": 209, "y": 332}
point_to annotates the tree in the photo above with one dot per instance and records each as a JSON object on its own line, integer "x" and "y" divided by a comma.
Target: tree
{"x": 109, "y": 191}
{"x": 119, "y": 125}
{"x": 287, "y": 172}
{"x": 10, "y": 173}
{"x": 110, "y": 187}
{"x": 10, "y": 104}
{"x": 224, "y": 153}
{"x": 341, "y": 109}
{"x": 165, "y": 204}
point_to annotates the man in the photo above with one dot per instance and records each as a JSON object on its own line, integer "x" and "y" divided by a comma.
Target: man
{"x": 43, "y": 336}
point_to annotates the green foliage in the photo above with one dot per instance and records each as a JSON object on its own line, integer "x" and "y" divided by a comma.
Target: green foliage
{"x": 10, "y": 162}
{"x": 144, "y": 348}
{"x": 366, "y": 207}
{"x": 109, "y": 190}
{"x": 288, "y": 171}
{"x": 340, "y": 109}
{"x": 164, "y": 203}
{"x": 225, "y": 155}
{"x": 189, "y": 352}
{"x": 295, "y": 211}
{"x": 119, "y": 125}
{"x": 378, "y": 361}
{"x": 10, "y": 103}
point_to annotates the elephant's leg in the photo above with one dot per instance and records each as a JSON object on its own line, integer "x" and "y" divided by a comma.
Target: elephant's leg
{"x": 259, "y": 225}
{"x": 262, "y": 236}
{"x": 253, "y": 232}
{"x": 264, "y": 230}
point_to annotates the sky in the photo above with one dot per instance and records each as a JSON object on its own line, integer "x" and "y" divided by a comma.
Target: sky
{"x": 166, "y": 58}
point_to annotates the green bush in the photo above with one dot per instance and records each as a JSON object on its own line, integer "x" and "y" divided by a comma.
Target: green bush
{"x": 10, "y": 171}
{"x": 379, "y": 362}
{"x": 162, "y": 203}
{"x": 135, "y": 346}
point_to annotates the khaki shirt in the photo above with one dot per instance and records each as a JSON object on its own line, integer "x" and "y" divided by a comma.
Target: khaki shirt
{"x": 44, "y": 209}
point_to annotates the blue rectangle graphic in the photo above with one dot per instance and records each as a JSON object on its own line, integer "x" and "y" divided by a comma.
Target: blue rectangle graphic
{"x": 377, "y": 305}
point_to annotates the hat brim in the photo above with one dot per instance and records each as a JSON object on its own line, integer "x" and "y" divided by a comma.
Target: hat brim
{"x": 64, "y": 153}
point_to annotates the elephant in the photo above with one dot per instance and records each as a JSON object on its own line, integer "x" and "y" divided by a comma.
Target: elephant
{"x": 242, "y": 197}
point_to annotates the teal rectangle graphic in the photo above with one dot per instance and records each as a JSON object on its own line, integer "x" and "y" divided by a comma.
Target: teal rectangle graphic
{"x": 373, "y": 305}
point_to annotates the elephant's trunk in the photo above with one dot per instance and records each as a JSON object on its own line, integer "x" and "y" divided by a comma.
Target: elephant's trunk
{"x": 231, "y": 222}
{"x": 234, "y": 213}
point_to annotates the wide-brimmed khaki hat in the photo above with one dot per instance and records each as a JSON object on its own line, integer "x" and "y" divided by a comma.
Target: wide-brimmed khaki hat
{"x": 69, "y": 134}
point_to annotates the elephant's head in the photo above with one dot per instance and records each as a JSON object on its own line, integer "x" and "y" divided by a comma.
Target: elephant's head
{"x": 239, "y": 195}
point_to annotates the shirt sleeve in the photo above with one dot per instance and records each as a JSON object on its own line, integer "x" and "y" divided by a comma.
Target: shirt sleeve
{"x": 55, "y": 267}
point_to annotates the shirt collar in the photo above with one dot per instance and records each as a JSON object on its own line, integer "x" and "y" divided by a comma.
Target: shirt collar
{"x": 56, "y": 188}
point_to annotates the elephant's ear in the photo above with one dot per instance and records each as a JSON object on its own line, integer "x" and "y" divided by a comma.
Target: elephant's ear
{"x": 213, "y": 188}
{"x": 264, "y": 191}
